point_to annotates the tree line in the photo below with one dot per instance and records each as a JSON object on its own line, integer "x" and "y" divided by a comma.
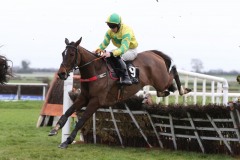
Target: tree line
{"x": 25, "y": 68}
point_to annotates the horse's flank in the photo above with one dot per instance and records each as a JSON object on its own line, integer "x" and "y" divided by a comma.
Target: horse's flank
{"x": 167, "y": 59}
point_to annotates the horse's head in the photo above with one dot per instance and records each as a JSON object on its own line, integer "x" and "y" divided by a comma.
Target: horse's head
{"x": 70, "y": 59}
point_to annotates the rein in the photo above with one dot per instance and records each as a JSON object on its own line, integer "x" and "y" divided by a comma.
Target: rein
{"x": 76, "y": 59}
{"x": 96, "y": 59}
{"x": 75, "y": 65}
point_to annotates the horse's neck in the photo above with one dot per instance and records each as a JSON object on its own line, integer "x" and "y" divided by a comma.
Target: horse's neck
{"x": 86, "y": 57}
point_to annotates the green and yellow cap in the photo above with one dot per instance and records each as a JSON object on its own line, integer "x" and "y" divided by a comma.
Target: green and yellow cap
{"x": 114, "y": 19}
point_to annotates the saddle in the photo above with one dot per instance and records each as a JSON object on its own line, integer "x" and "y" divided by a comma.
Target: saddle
{"x": 114, "y": 72}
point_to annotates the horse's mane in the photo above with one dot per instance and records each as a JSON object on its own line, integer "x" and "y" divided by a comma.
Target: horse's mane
{"x": 90, "y": 52}
{"x": 167, "y": 59}
{"x": 4, "y": 70}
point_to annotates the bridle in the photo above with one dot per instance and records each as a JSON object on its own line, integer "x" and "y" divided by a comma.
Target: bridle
{"x": 75, "y": 64}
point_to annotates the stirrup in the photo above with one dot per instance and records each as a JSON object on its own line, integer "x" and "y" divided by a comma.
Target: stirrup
{"x": 135, "y": 80}
{"x": 125, "y": 81}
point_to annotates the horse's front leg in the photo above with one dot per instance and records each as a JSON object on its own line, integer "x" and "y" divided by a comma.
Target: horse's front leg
{"x": 90, "y": 109}
{"x": 63, "y": 119}
{"x": 61, "y": 122}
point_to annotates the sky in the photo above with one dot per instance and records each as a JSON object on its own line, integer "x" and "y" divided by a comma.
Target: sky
{"x": 208, "y": 30}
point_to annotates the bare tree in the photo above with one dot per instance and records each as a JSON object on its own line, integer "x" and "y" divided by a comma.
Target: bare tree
{"x": 197, "y": 65}
{"x": 25, "y": 65}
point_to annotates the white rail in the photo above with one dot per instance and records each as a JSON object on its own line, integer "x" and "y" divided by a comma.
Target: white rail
{"x": 19, "y": 85}
{"x": 218, "y": 92}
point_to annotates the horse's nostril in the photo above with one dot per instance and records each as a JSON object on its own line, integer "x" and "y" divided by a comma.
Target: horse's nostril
{"x": 61, "y": 75}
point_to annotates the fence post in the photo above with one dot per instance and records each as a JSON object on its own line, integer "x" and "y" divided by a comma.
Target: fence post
{"x": 19, "y": 92}
{"x": 204, "y": 92}
{"x": 225, "y": 92}
{"x": 44, "y": 92}
{"x": 68, "y": 83}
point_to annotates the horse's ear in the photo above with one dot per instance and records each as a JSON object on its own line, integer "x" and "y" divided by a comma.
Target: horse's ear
{"x": 66, "y": 41}
{"x": 78, "y": 42}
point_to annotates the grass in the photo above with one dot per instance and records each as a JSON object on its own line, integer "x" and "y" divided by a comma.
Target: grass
{"x": 21, "y": 140}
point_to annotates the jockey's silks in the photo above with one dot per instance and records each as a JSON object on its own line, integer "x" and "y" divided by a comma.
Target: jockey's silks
{"x": 124, "y": 39}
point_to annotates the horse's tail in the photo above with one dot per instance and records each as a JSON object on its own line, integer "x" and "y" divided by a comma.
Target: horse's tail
{"x": 167, "y": 59}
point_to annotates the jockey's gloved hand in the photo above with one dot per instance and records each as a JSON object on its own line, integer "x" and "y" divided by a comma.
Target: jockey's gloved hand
{"x": 99, "y": 52}
{"x": 107, "y": 54}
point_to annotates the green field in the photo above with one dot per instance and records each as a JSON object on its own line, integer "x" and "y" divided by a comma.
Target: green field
{"x": 37, "y": 77}
{"x": 21, "y": 140}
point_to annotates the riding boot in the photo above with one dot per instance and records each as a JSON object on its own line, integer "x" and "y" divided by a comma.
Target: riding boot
{"x": 134, "y": 77}
{"x": 124, "y": 77}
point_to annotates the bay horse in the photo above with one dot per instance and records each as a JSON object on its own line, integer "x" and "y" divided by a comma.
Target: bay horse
{"x": 98, "y": 89}
{"x": 4, "y": 70}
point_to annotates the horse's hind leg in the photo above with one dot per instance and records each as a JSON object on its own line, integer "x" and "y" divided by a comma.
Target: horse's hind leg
{"x": 170, "y": 87}
{"x": 166, "y": 93}
{"x": 178, "y": 82}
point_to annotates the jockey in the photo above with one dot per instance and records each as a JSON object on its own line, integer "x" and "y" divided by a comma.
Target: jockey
{"x": 123, "y": 38}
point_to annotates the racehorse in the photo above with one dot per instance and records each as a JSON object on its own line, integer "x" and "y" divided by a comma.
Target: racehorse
{"x": 98, "y": 89}
{"x": 4, "y": 70}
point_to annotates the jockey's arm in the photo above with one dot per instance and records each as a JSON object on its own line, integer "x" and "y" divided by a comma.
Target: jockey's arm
{"x": 104, "y": 44}
{"x": 124, "y": 45}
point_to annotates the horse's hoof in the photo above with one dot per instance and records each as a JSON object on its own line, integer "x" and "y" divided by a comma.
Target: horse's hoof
{"x": 187, "y": 90}
{"x": 63, "y": 145}
{"x": 163, "y": 94}
{"x": 53, "y": 132}
{"x": 184, "y": 91}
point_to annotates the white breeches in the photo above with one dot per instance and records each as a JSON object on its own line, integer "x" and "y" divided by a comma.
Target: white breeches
{"x": 130, "y": 55}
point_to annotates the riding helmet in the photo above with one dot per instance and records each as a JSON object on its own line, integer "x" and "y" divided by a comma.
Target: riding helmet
{"x": 114, "y": 19}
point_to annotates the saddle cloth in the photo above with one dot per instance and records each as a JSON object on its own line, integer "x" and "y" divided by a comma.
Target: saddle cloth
{"x": 133, "y": 71}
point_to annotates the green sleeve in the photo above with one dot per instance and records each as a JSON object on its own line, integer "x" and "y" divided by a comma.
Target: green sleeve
{"x": 124, "y": 45}
{"x": 105, "y": 42}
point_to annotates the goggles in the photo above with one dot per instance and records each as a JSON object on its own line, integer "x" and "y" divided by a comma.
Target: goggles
{"x": 112, "y": 25}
